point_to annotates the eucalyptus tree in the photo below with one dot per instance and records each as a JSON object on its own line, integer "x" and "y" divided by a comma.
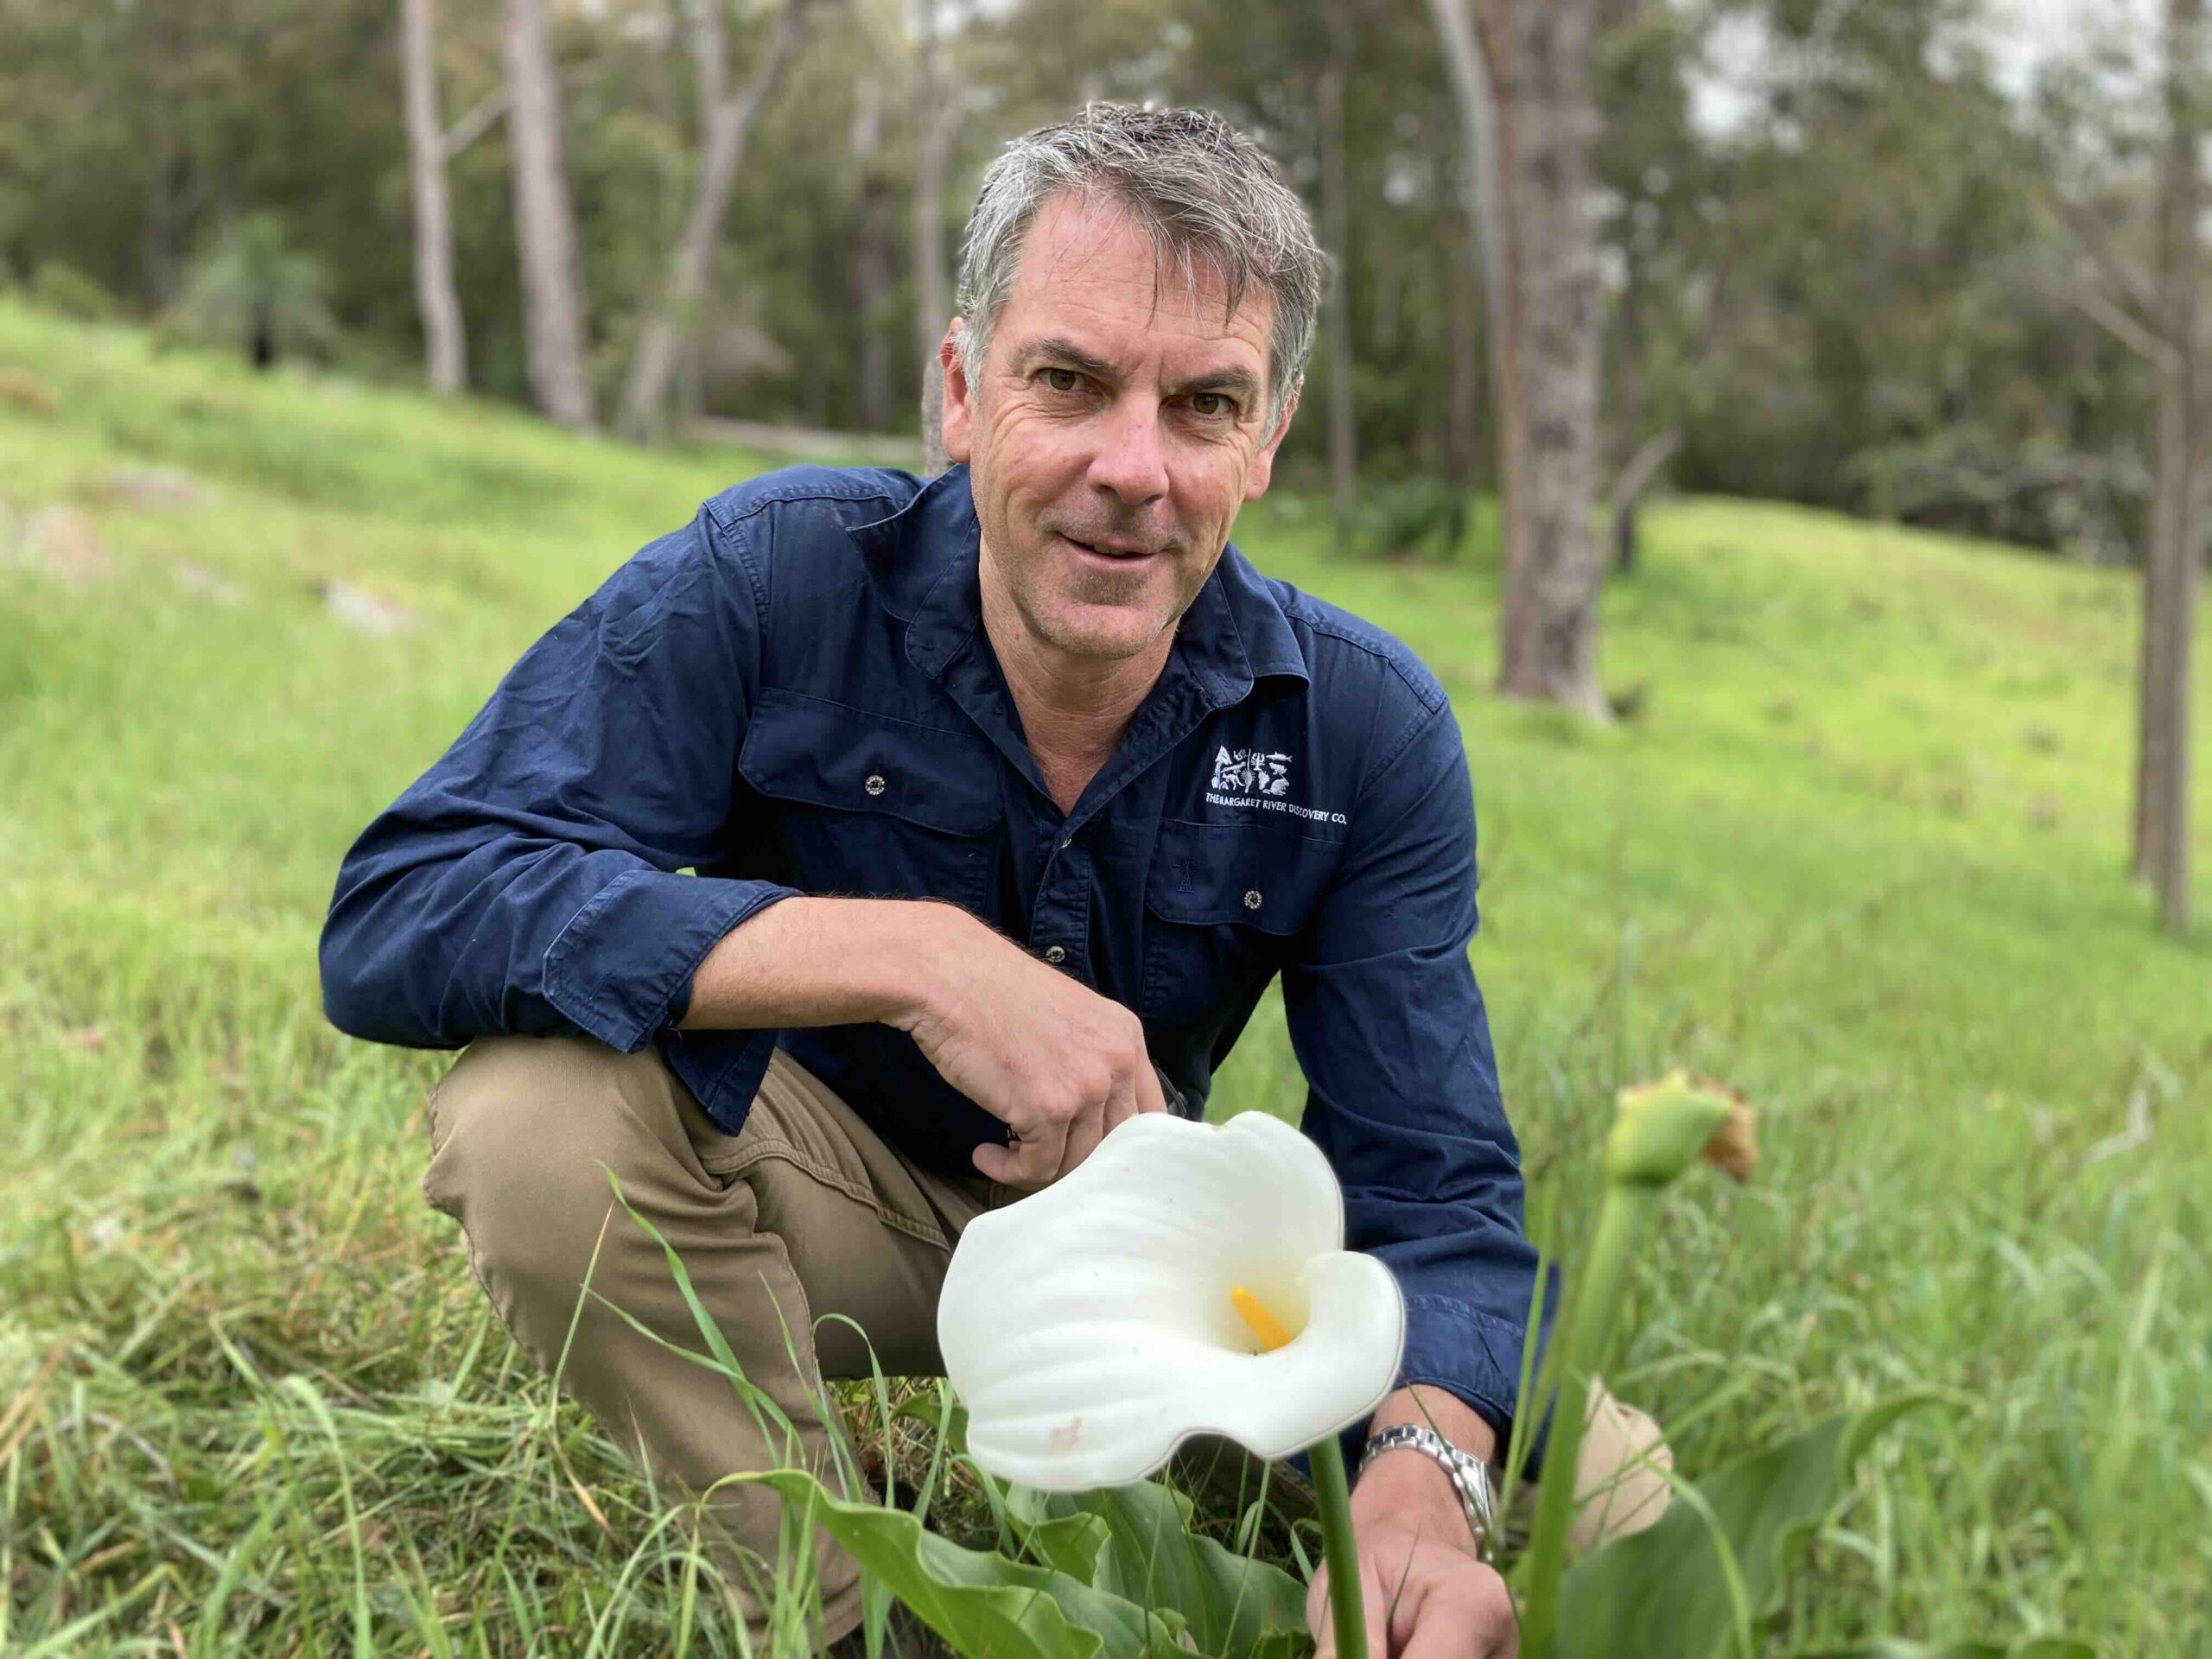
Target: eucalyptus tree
{"x": 445, "y": 345}
{"x": 935, "y": 117}
{"x": 727, "y": 116}
{"x": 2124, "y": 124}
{"x": 545, "y": 228}
{"x": 1522, "y": 70}
{"x": 2175, "y": 545}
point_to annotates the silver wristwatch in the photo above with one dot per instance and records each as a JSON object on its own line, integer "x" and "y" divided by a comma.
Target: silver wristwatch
{"x": 1469, "y": 1474}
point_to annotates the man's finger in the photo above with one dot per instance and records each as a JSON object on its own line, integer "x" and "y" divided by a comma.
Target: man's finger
{"x": 1008, "y": 1165}
{"x": 1126, "y": 1100}
{"x": 1084, "y": 1135}
{"x": 1463, "y": 1625}
{"x": 1037, "y": 1154}
{"x": 1150, "y": 1097}
{"x": 1375, "y": 1603}
{"x": 1321, "y": 1617}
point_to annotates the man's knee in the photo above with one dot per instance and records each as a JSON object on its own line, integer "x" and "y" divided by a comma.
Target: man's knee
{"x": 1622, "y": 1482}
{"x": 525, "y": 1132}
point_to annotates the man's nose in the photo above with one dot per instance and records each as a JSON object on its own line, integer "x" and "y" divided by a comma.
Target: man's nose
{"x": 1131, "y": 462}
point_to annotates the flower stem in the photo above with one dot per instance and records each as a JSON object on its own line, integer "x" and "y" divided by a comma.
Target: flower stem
{"x": 1589, "y": 1331}
{"x": 1334, "y": 1496}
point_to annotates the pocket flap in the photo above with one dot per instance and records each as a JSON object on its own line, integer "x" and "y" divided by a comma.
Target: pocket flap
{"x": 801, "y": 748}
{"x": 1215, "y": 874}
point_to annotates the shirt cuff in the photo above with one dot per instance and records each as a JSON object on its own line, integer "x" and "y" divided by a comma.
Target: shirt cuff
{"x": 621, "y": 968}
{"x": 1471, "y": 1355}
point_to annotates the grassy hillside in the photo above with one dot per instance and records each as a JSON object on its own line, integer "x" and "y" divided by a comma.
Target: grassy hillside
{"x": 1859, "y": 853}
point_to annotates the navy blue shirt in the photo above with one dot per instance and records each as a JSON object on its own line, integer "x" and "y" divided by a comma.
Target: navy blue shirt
{"x": 794, "y": 693}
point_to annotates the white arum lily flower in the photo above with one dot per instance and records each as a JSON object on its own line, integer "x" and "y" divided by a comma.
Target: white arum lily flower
{"x": 1186, "y": 1279}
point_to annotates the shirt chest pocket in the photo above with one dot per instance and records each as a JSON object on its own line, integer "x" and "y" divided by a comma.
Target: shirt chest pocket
{"x": 869, "y": 807}
{"x": 1224, "y": 905}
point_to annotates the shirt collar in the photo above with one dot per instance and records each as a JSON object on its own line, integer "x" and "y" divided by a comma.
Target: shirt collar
{"x": 922, "y": 561}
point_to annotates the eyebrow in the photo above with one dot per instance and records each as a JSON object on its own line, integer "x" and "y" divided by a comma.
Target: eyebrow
{"x": 1239, "y": 381}
{"x": 1236, "y": 380}
{"x": 1069, "y": 352}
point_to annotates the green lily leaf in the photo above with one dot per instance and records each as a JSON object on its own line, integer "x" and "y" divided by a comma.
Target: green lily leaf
{"x": 980, "y": 1602}
{"x": 2034, "y": 1647}
{"x": 1233, "y": 1607}
{"x": 1071, "y": 1544}
{"x": 1666, "y": 1593}
{"x": 924, "y": 1410}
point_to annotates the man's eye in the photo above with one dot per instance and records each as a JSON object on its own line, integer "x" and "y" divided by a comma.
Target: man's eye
{"x": 1213, "y": 405}
{"x": 1063, "y": 379}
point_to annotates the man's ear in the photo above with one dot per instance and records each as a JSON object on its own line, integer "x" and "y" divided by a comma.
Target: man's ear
{"x": 1264, "y": 464}
{"x": 956, "y": 400}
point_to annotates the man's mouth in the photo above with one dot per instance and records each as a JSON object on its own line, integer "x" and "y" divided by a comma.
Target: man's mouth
{"x": 1109, "y": 549}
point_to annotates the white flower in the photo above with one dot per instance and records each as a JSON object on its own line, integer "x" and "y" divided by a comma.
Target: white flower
{"x": 1094, "y": 1325}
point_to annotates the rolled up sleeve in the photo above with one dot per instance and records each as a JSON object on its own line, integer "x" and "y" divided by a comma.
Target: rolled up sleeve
{"x": 1390, "y": 1031}
{"x": 530, "y": 881}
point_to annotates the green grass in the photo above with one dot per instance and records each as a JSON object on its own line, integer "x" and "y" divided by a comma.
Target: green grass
{"x": 1859, "y": 854}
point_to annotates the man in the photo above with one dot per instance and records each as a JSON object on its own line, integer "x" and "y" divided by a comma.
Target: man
{"x": 1006, "y": 796}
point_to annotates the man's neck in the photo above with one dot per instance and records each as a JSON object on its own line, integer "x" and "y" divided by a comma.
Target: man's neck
{"x": 1073, "y": 710}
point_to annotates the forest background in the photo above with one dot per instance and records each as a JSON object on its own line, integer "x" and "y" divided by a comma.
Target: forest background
{"x": 1852, "y": 254}
{"x": 1932, "y": 261}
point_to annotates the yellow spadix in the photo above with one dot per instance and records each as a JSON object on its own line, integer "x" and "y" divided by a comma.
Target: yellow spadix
{"x": 1264, "y": 1325}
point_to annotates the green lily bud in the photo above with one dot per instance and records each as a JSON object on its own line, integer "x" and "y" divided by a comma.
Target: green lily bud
{"x": 1663, "y": 1128}
{"x": 1659, "y": 1130}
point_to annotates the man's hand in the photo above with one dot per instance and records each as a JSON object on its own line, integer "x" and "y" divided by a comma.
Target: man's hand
{"x": 1426, "y": 1593}
{"x": 1056, "y": 1063}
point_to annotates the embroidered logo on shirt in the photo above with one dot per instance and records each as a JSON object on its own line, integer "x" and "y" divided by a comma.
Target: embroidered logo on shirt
{"x": 1259, "y": 779}
{"x": 1251, "y": 771}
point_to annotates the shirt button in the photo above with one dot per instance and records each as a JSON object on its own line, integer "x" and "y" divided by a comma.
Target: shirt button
{"x": 874, "y": 784}
{"x": 1056, "y": 956}
{"x": 1252, "y": 900}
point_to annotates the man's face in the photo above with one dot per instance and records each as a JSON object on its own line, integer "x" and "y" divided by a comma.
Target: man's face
{"x": 1119, "y": 422}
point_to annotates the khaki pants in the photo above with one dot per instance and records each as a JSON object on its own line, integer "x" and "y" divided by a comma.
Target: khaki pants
{"x": 806, "y": 1214}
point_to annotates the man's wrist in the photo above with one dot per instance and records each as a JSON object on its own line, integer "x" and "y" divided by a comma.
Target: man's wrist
{"x": 1404, "y": 1489}
{"x": 927, "y": 938}
{"x": 1403, "y": 1479}
{"x": 1441, "y": 1410}
{"x": 1409, "y": 1480}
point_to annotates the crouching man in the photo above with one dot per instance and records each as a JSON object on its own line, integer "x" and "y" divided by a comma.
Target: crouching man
{"x": 863, "y": 852}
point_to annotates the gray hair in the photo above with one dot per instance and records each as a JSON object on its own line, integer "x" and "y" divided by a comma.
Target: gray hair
{"x": 1208, "y": 195}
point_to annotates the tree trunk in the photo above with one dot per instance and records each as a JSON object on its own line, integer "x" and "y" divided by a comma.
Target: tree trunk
{"x": 1549, "y": 628}
{"x": 545, "y": 230}
{"x": 1544, "y": 340}
{"x": 444, "y": 344}
{"x": 871, "y": 257}
{"x": 162, "y": 226}
{"x": 1624, "y": 442}
{"x": 932, "y": 300}
{"x": 729, "y": 126}
{"x": 1463, "y": 412}
{"x": 1344, "y": 438}
{"x": 2169, "y": 564}
{"x": 1471, "y": 88}
{"x": 1629, "y": 487}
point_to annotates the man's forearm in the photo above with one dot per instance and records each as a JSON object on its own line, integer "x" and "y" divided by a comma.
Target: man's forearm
{"x": 823, "y": 961}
